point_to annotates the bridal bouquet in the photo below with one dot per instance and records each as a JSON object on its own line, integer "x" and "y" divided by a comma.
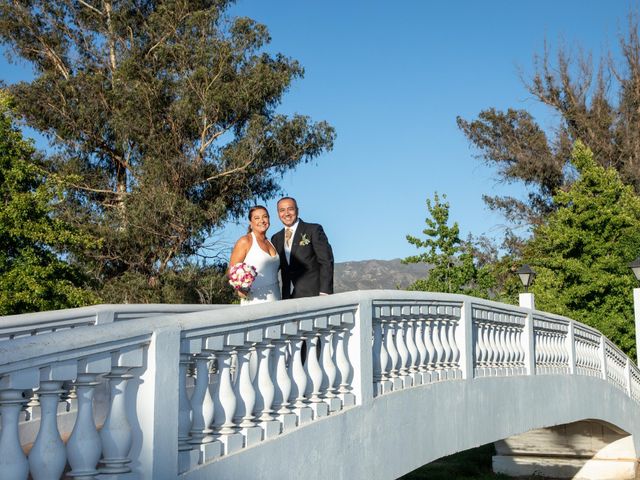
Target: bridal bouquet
{"x": 241, "y": 276}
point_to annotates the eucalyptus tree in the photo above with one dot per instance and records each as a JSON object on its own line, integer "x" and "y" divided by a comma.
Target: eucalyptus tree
{"x": 596, "y": 103}
{"x": 163, "y": 118}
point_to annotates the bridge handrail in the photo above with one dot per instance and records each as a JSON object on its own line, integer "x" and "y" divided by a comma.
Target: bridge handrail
{"x": 361, "y": 345}
{"x": 16, "y": 326}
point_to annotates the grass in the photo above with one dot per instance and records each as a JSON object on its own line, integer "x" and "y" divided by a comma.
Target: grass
{"x": 474, "y": 464}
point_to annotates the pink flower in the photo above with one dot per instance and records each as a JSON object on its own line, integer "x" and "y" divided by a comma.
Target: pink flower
{"x": 241, "y": 276}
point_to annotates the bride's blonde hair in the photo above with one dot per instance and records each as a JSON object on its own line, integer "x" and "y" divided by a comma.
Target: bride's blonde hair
{"x": 253, "y": 209}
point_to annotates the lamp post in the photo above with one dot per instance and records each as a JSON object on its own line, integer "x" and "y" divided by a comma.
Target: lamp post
{"x": 635, "y": 268}
{"x": 526, "y": 274}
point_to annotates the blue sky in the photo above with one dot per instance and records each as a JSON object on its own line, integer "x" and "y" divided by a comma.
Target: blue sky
{"x": 391, "y": 77}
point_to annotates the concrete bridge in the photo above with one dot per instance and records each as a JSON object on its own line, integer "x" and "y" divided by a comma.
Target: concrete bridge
{"x": 392, "y": 380}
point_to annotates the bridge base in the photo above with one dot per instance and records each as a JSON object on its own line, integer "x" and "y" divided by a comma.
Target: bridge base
{"x": 587, "y": 450}
{"x": 578, "y": 469}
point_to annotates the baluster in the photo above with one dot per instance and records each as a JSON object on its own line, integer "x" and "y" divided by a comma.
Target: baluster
{"x": 225, "y": 399}
{"x": 184, "y": 406}
{"x": 243, "y": 389}
{"x": 413, "y": 352}
{"x": 380, "y": 355}
{"x": 552, "y": 351}
{"x": 511, "y": 349}
{"x": 116, "y": 431}
{"x": 502, "y": 348}
{"x": 201, "y": 402}
{"x": 437, "y": 344}
{"x": 562, "y": 357}
{"x": 283, "y": 381}
{"x": 48, "y": 458}
{"x": 344, "y": 367}
{"x": 393, "y": 352}
{"x": 494, "y": 340}
{"x": 479, "y": 347}
{"x": 297, "y": 373}
{"x": 328, "y": 367}
{"x": 455, "y": 351}
{"x": 421, "y": 347}
{"x": 548, "y": 352}
{"x": 403, "y": 353}
{"x": 431, "y": 349}
{"x": 538, "y": 350}
{"x": 13, "y": 462}
{"x": 265, "y": 391}
{"x": 84, "y": 447}
{"x": 492, "y": 354}
{"x": 446, "y": 348}
{"x": 313, "y": 370}
{"x": 521, "y": 350}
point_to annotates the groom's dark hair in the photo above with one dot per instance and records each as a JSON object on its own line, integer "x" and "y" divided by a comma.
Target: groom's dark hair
{"x": 288, "y": 198}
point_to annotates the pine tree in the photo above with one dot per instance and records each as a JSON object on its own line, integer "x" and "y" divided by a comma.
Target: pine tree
{"x": 582, "y": 251}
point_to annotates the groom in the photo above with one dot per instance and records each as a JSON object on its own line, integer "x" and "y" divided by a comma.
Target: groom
{"x": 306, "y": 259}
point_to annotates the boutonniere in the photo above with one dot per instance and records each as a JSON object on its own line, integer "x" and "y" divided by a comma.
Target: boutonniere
{"x": 305, "y": 240}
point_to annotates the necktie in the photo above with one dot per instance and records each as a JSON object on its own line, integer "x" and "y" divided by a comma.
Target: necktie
{"x": 288, "y": 233}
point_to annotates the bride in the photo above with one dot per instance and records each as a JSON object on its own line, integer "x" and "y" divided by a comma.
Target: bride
{"x": 255, "y": 249}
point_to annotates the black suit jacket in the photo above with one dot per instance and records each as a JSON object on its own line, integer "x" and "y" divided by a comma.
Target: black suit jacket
{"x": 311, "y": 266}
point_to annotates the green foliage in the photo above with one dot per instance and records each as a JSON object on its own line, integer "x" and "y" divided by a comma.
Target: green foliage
{"x": 163, "y": 114}
{"x": 453, "y": 269}
{"x": 33, "y": 274}
{"x": 473, "y": 464}
{"x": 191, "y": 284}
{"x": 581, "y": 252}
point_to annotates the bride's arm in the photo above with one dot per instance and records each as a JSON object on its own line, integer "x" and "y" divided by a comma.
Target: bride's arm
{"x": 238, "y": 254}
{"x": 240, "y": 250}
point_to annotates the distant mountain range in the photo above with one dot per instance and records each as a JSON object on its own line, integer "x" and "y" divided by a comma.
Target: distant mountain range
{"x": 375, "y": 274}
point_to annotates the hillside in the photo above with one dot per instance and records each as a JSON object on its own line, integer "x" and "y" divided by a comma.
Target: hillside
{"x": 374, "y": 274}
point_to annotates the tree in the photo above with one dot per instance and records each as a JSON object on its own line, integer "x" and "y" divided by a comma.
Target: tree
{"x": 453, "y": 269}
{"x": 581, "y": 252}
{"x": 164, "y": 113}
{"x": 597, "y": 105}
{"x": 33, "y": 274}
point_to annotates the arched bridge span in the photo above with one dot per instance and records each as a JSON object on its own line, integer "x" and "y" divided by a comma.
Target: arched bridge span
{"x": 392, "y": 380}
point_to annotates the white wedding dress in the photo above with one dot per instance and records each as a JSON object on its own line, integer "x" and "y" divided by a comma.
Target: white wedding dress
{"x": 265, "y": 287}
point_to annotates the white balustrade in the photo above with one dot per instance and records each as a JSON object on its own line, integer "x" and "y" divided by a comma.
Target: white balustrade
{"x": 116, "y": 432}
{"x": 201, "y": 402}
{"x": 225, "y": 399}
{"x": 84, "y": 446}
{"x": 401, "y": 346}
{"x": 243, "y": 390}
{"x": 410, "y": 340}
{"x": 313, "y": 370}
{"x": 47, "y": 457}
{"x": 328, "y": 366}
{"x": 13, "y": 462}
{"x": 265, "y": 389}
{"x": 437, "y": 344}
{"x": 380, "y": 355}
{"x": 420, "y": 346}
{"x": 297, "y": 373}
{"x": 391, "y": 348}
{"x": 429, "y": 346}
{"x": 282, "y": 390}
{"x": 341, "y": 347}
